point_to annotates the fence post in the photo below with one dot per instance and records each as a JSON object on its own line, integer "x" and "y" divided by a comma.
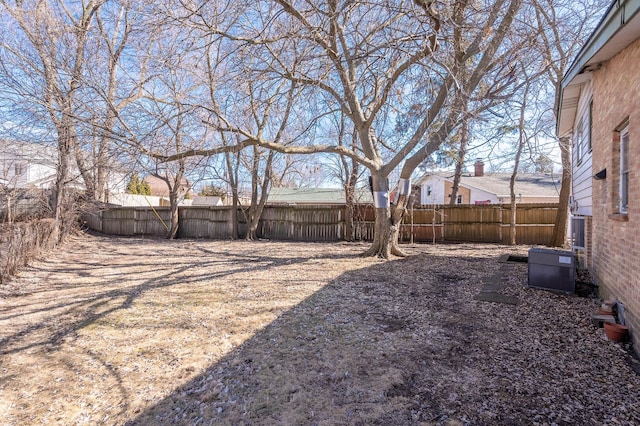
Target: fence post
{"x": 412, "y": 237}
{"x": 500, "y": 231}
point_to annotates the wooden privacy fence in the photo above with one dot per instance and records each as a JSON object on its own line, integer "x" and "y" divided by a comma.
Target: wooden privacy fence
{"x": 482, "y": 223}
{"x": 442, "y": 223}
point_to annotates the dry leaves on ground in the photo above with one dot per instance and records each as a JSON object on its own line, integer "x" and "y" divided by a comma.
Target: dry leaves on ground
{"x": 139, "y": 331}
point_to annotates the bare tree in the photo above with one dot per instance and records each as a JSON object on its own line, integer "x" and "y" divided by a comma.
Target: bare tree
{"x": 371, "y": 61}
{"x": 256, "y": 105}
{"x": 350, "y": 173}
{"x": 116, "y": 86}
{"x": 162, "y": 118}
{"x": 12, "y": 170}
{"x": 522, "y": 137}
{"x": 50, "y": 52}
{"x": 494, "y": 61}
{"x": 464, "y": 135}
{"x": 564, "y": 27}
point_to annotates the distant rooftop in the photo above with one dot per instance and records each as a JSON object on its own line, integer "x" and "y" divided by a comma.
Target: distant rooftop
{"x": 530, "y": 184}
{"x": 159, "y": 187}
{"x": 31, "y": 152}
{"x": 315, "y": 196}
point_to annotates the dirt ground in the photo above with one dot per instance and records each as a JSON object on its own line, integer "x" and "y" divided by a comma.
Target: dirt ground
{"x": 194, "y": 332}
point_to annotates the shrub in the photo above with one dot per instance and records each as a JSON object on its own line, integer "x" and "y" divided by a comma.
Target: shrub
{"x": 23, "y": 242}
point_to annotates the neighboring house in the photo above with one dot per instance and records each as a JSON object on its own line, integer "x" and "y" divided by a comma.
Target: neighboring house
{"x": 135, "y": 200}
{"x": 202, "y": 200}
{"x": 159, "y": 195}
{"x": 489, "y": 188}
{"x": 315, "y": 196}
{"x": 162, "y": 200}
{"x": 27, "y": 165}
{"x": 159, "y": 187}
{"x": 599, "y": 111}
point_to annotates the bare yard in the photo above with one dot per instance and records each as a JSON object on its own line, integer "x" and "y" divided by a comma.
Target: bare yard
{"x": 139, "y": 331}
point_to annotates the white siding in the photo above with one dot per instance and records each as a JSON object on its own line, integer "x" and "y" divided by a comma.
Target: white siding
{"x": 581, "y": 182}
{"x": 436, "y": 184}
{"x": 134, "y": 200}
{"x": 38, "y": 166}
{"x": 478, "y": 195}
{"x": 40, "y": 175}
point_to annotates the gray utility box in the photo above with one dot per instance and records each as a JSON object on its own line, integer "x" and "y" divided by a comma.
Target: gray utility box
{"x": 552, "y": 269}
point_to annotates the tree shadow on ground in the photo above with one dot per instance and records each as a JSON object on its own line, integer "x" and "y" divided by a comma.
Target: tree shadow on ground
{"x": 68, "y": 315}
{"x": 78, "y": 293}
{"x": 399, "y": 343}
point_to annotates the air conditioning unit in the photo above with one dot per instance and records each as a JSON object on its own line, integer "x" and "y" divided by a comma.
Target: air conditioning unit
{"x": 552, "y": 269}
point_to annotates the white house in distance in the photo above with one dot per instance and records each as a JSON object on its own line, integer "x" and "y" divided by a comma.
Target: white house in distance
{"x": 315, "y": 196}
{"x": 489, "y": 188}
{"x": 159, "y": 195}
{"x": 27, "y": 165}
{"x": 204, "y": 200}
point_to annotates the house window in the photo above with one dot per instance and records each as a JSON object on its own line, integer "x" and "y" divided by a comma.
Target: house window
{"x": 459, "y": 200}
{"x": 624, "y": 169}
{"x": 19, "y": 169}
{"x": 577, "y": 144}
{"x": 590, "y": 125}
{"x": 583, "y": 135}
{"x": 428, "y": 190}
{"x": 577, "y": 232}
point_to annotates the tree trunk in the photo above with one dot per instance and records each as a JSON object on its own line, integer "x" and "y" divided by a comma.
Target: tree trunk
{"x": 512, "y": 182}
{"x": 232, "y": 179}
{"x": 385, "y": 232}
{"x": 348, "y": 219}
{"x": 257, "y": 205}
{"x": 512, "y": 222}
{"x": 9, "y": 213}
{"x": 383, "y": 235}
{"x": 259, "y": 208}
{"x": 175, "y": 220}
{"x": 86, "y": 173}
{"x": 255, "y": 215}
{"x": 462, "y": 153}
{"x": 252, "y": 223}
{"x": 234, "y": 214}
{"x": 351, "y": 170}
{"x": 397, "y": 214}
{"x": 59, "y": 202}
{"x": 350, "y": 198}
{"x": 404, "y": 194}
{"x": 558, "y": 239}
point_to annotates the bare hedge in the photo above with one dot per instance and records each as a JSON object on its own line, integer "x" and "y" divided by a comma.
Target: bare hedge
{"x": 23, "y": 241}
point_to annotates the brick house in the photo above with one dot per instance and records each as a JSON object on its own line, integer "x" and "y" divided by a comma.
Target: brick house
{"x": 600, "y": 111}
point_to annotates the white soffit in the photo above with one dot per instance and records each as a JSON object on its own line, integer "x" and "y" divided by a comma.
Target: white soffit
{"x": 619, "y": 28}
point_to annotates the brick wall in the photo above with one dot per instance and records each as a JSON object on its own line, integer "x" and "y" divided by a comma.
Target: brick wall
{"x": 615, "y": 247}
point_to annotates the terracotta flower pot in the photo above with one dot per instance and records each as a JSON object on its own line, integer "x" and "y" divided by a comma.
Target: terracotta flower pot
{"x": 615, "y": 332}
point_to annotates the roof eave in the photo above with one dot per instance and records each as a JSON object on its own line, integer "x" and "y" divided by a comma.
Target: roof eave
{"x": 619, "y": 27}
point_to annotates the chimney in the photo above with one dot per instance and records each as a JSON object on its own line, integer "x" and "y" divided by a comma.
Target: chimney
{"x": 479, "y": 168}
